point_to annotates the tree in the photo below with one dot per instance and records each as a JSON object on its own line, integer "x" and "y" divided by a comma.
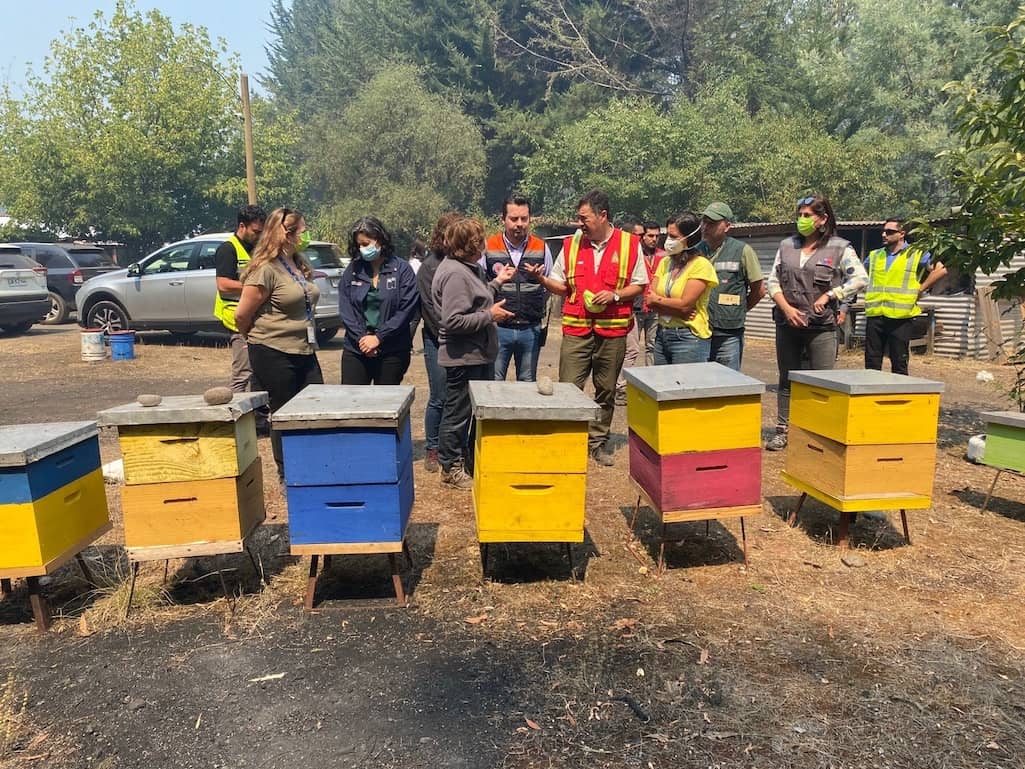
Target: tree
{"x": 988, "y": 169}
{"x": 127, "y": 136}
{"x": 397, "y": 152}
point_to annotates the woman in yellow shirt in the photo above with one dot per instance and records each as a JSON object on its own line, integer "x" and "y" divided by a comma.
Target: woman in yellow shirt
{"x": 678, "y": 293}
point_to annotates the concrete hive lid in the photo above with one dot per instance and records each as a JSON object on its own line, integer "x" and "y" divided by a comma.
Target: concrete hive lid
{"x": 867, "y": 382}
{"x": 687, "y": 381}
{"x": 21, "y": 445}
{"x": 176, "y": 409}
{"x": 1008, "y": 418}
{"x": 515, "y": 401}
{"x": 340, "y": 404}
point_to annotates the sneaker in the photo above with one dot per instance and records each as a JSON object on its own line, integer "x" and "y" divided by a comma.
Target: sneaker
{"x": 431, "y": 461}
{"x": 621, "y": 397}
{"x": 778, "y": 442}
{"x": 456, "y": 477}
{"x": 598, "y": 455}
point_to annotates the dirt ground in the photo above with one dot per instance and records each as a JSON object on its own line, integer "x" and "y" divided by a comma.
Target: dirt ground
{"x": 913, "y": 659}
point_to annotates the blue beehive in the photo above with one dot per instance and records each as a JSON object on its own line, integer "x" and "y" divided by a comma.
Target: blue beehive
{"x": 348, "y": 454}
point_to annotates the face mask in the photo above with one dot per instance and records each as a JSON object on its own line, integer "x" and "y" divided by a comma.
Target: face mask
{"x": 673, "y": 246}
{"x": 806, "y": 225}
{"x": 369, "y": 253}
{"x": 304, "y": 241}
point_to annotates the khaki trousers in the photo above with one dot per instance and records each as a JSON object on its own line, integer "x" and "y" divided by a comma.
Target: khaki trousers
{"x": 601, "y": 358}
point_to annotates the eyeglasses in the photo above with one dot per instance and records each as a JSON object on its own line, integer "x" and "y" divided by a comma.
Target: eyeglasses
{"x": 887, "y": 231}
{"x": 806, "y": 201}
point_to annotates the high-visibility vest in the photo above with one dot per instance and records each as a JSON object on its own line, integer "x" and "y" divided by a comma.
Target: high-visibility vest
{"x": 524, "y": 295}
{"x": 617, "y": 265}
{"x": 224, "y": 309}
{"x": 893, "y": 292}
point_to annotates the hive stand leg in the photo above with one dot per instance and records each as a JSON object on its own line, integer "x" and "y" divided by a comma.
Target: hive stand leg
{"x": 258, "y": 567}
{"x": 845, "y": 523}
{"x": 311, "y": 583}
{"x": 5, "y": 586}
{"x": 224, "y": 588}
{"x": 396, "y": 578}
{"x": 484, "y": 560}
{"x": 85, "y": 570}
{"x": 637, "y": 509}
{"x": 662, "y": 551}
{"x": 327, "y": 562}
{"x": 131, "y": 588}
{"x": 167, "y": 565}
{"x": 743, "y": 538}
{"x": 989, "y": 493}
{"x": 406, "y": 552}
{"x": 792, "y": 518}
{"x": 904, "y": 523}
{"x": 569, "y": 557}
{"x": 40, "y": 608}
{"x": 708, "y": 525}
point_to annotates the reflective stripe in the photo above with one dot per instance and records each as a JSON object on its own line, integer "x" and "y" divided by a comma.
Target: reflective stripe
{"x": 571, "y": 262}
{"x": 224, "y": 309}
{"x": 893, "y": 293}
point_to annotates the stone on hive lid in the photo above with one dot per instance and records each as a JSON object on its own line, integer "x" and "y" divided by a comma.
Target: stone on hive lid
{"x": 345, "y": 403}
{"x": 177, "y": 409}
{"x": 1007, "y": 418}
{"x": 686, "y": 381}
{"x": 521, "y": 401}
{"x": 21, "y": 445}
{"x": 866, "y": 382}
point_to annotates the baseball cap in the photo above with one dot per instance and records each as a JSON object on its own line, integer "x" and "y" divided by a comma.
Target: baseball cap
{"x": 718, "y": 211}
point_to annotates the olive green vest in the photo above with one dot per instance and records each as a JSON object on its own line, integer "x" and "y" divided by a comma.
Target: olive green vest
{"x": 727, "y": 304}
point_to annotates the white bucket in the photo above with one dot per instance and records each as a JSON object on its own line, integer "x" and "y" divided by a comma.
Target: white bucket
{"x": 92, "y": 344}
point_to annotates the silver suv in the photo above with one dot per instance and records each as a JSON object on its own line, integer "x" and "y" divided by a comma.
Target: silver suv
{"x": 173, "y": 289}
{"x": 24, "y": 298}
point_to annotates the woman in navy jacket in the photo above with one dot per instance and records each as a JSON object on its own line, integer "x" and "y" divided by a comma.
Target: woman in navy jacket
{"x": 377, "y": 299}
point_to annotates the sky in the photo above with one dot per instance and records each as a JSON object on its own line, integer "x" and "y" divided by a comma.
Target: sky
{"x": 30, "y": 25}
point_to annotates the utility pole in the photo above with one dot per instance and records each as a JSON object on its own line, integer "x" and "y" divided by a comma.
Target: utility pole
{"x": 247, "y": 131}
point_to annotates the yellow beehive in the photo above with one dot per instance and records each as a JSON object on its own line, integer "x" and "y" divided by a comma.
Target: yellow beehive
{"x": 697, "y": 424}
{"x": 530, "y": 507}
{"x": 533, "y": 446}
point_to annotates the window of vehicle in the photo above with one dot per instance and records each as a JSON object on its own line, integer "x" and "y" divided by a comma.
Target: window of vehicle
{"x": 89, "y": 257}
{"x": 323, "y": 255}
{"x": 51, "y": 258}
{"x": 173, "y": 259}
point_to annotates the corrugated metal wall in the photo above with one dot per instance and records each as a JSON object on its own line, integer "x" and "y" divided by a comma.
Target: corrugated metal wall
{"x": 955, "y": 315}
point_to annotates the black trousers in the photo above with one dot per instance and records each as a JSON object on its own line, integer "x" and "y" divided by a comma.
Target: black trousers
{"x": 384, "y": 369}
{"x": 891, "y": 336}
{"x": 456, "y": 435}
{"x": 283, "y": 375}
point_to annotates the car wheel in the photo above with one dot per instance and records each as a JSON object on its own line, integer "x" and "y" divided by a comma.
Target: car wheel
{"x": 326, "y": 334}
{"x": 108, "y": 316}
{"x": 58, "y": 310}
{"x": 17, "y": 328}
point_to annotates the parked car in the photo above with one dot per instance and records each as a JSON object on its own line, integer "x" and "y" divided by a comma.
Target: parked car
{"x": 173, "y": 289}
{"x": 24, "y": 299}
{"x": 68, "y": 266}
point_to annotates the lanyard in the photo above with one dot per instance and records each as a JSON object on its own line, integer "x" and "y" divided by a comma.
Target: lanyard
{"x": 670, "y": 280}
{"x": 301, "y": 280}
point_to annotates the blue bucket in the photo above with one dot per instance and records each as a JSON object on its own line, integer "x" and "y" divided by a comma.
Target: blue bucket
{"x": 122, "y": 345}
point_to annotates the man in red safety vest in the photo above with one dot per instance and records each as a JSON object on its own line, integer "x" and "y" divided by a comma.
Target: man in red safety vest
{"x": 600, "y": 271}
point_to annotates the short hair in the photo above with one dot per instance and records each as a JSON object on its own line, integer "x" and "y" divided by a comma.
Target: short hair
{"x": 689, "y": 225}
{"x": 417, "y": 249}
{"x": 464, "y": 239}
{"x": 371, "y": 227}
{"x": 898, "y": 220}
{"x": 820, "y": 205}
{"x": 650, "y": 225}
{"x": 436, "y": 243}
{"x": 249, "y": 214}
{"x": 515, "y": 199}
{"x": 597, "y": 200}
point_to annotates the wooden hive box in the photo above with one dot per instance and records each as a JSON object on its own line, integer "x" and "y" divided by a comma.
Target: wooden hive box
{"x": 348, "y": 454}
{"x": 693, "y": 407}
{"x": 530, "y": 469}
{"x": 52, "y": 501}
{"x": 857, "y": 406}
{"x": 1005, "y": 440}
{"x": 193, "y": 477}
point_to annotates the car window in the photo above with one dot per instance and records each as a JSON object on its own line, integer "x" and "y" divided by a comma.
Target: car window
{"x": 323, "y": 255}
{"x": 205, "y": 255}
{"x": 52, "y": 258}
{"x": 173, "y": 259}
{"x": 91, "y": 257}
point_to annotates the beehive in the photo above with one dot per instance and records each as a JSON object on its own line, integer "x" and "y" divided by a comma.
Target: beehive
{"x": 1005, "y": 440}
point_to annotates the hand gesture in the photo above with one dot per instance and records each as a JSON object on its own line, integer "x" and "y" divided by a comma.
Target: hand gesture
{"x": 499, "y": 313}
{"x": 604, "y": 297}
{"x": 795, "y": 317}
{"x": 369, "y": 344}
{"x": 820, "y": 304}
{"x": 534, "y": 270}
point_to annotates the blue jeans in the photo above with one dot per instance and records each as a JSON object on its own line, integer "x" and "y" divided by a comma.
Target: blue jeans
{"x": 436, "y": 381}
{"x": 522, "y": 345}
{"x": 727, "y": 349}
{"x": 680, "y": 345}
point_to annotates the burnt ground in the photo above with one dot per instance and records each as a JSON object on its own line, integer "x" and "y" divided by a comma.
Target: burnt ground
{"x": 913, "y": 659}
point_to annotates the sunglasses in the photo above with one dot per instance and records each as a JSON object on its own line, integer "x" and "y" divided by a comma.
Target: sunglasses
{"x": 806, "y": 201}
{"x": 888, "y": 231}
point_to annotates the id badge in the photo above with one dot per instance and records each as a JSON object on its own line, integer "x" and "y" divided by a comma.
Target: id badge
{"x": 729, "y": 299}
{"x": 311, "y": 335}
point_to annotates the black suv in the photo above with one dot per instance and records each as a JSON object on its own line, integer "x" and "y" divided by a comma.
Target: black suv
{"x": 68, "y": 266}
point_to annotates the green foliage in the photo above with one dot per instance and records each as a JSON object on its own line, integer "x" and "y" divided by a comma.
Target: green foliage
{"x": 397, "y": 152}
{"x": 127, "y": 136}
{"x": 988, "y": 170}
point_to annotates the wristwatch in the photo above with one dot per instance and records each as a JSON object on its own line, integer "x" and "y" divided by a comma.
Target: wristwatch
{"x": 615, "y": 297}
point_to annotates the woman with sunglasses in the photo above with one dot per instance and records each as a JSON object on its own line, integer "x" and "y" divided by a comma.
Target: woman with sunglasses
{"x": 377, "y": 301}
{"x": 678, "y": 294}
{"x": 275, "y": 314}
{"x": 812, "y": 274}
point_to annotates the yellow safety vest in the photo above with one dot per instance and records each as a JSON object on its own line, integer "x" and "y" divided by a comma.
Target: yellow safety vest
{"x": 893, "y": 292}
{"x": 224, "y": 309}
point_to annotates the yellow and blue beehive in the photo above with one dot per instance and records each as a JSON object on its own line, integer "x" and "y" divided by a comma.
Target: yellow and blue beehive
{"x": 193, "y": 477}
{"x": 530, "y": 462}
{"x": 52, "y": 501}
{"x": 863, "y": 439}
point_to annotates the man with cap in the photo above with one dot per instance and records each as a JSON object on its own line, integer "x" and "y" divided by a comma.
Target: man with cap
{"x": 741, "y": 285}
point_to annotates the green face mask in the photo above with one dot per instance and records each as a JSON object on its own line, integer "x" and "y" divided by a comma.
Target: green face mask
{"x": 304, "y": 241}
{"x": 805, "y": 225}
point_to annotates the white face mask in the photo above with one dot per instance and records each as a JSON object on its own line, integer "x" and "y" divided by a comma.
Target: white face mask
{"x": 673, "y": 246}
